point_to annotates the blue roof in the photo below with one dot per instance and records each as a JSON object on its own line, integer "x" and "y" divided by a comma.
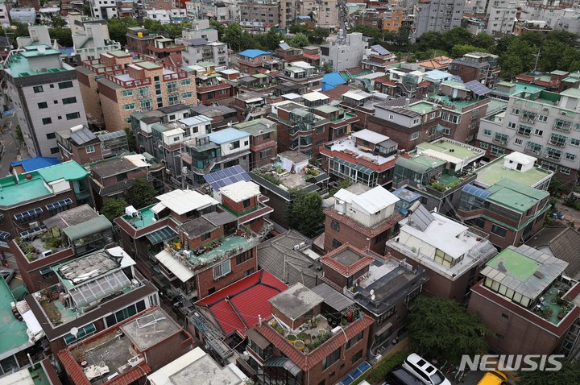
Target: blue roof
{"x": 438, "y": 75}
{"x": 406, "y": 195}
{"x": 227, "y": 135}
{"x": 303, "y": 17}
{"x": 478, "y": 192}
{"x": 35, "y": 163}
{"x": 329, "y": 81}
{"x": 253, "y": 53}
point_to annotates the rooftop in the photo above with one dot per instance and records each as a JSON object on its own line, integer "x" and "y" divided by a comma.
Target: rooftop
{"x": 296, "y": 301}
{"x": 238, "y": 306}
{"x": 227, "y": 135}
{"x": 495, "y": 171}
{"x": 183, "y": 201}
{"x": 150, "y": 329}
{"x": 144, "y": 217}
{"x": 253, "y": 53}
{"x": 347, "y": 260}
{"x": 35, "y": 163}
{"x": 356, "y": 154}
{"x": 199, "y": 365}
{"x": 371, "y": 201}
{"x": 452, "y": 149}
{"x": 13, "y": 333}
{"x": 241, "y": 191}
{"x": 422, "y": 107}
{"x": 257, "y": 126}
{"x": 457, "y": 105}
{"x": 20, "y": 65}
{"x": 515, "y": 195}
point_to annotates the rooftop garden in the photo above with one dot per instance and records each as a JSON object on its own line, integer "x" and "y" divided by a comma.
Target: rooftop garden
{"x": 552, "y": 306}
{"x": 448, "y": 179}
{"x": 35, "y": 247}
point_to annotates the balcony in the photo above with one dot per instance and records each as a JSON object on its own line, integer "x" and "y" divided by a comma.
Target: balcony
{"x": 562, "y": 127}
{"x": 449, "y": 180}
{"x": 533, "y": 150}
{"x": 552, "y": 305}
{"x": 557, "y": 142}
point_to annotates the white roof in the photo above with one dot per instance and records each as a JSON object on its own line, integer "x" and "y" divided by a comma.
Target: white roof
{"x": 301, "y": 64}
{"x": 355, "y": 95}
{"x": 518, "y": 157}
{"x": 229, "y": 71}
{"x": 196, "y": 362}
{"x": 252, "y": 100}
{"x": 442, "y": 234}
{"x": 184, "y": 201}
{"x": 441, "y": 156}
{"x": 175, "y": 131}
{"x": 138, "y": 160}
{"x": 173, "y": 265}
{"x": 373, "y": 75}
{"x": 370, "y": 136}
{"x": 292, "y": 96}
{"x": 314, "y": 96}
{"x": 21, "y": 377}
{"x": 371, "y": 201}
{"x": 240, "y": 191}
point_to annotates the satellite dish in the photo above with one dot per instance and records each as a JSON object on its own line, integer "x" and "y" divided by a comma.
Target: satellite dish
{"x": 74, "y": 331}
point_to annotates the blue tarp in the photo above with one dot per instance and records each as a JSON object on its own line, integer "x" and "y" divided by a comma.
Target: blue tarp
{"x": 35, "y": 163}
{"x": 329, "y": 81}
{"x": 252, "y": 53}
{"x": 352, "y": 376}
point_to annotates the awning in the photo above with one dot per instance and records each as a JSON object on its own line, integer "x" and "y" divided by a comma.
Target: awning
{"x": 173, "y": 265}
{"x": 160, "y": 235}
{"x": 333, "y": 298}
{"x": 159, "y": 207}
{"x": 285, "y": 363}
{"x": 356, "y": 373}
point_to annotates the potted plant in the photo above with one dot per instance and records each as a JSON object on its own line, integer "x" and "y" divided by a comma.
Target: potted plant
{"x": 302, "y": 336}
{"x": 299, "y": 345}
{"x": 321, "y": 332}
{"x": 343, "y": 321}
{"x": 292, "y": 338}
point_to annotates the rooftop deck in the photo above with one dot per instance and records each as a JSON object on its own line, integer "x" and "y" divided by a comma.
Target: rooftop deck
{"x": 457, "y": 105}
{"x": 13, "y": 332}
{"x": 456, "y": 149}
{"x": 145, "y": 218}
{"x": 494, "y": 171}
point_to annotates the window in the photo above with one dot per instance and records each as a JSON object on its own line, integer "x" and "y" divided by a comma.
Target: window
{"x": 38, "y": 89}
{"x": 266, "y": 153}
{"x": 538, "y": 132}
{"x": 518, "y": 141}
{"x": 498, "y": 230}
{"x": 487, "y": 132}
{"x": 542, "y": 118}
{"x": 73, "y": 115}
{"x": 512, "y": 125}
{"x": 46, "y": 121}
{"x": 129, "y": 106}
{"x": 354, "y": 340}
{"x": 206, "y": 236}
{"x": 331, "y": 359}
{"x": 549, "y": 166}
{"x": 69, "y": 100}
{"x": 496, "y": 151}
{"x": 185, "y": 82}
{"x": 565, "y": 171}
{"x": 90, "y": 149}
{"x": 483, "y": 145}
{"x": 525, "y": 130}
{"x": 552, "y": 153}
{"x": 42, "y": 105}
{"x": 336, "y": 243}
{"x": 126, "y": 93}
{"x": 63, "y": 85}
{"x": 52, "y": 135}
{"x": 415, "y": 136}
{"x": 243, "y": 257}
{"x": 54, "y": 150}
{"x": 222, "y": 269}
{"x": 570, "y": 156}
{"x": 503, "y": 315}
{"x": 443, "y": 259}
{"x": 357, "y": 356}
{"x": 558, "y": 140}
{"x": 335, "y": 225}
{"x": 500, "y": 138}
{"x": 235, "y": 144}
{"x": 574, "y": 142}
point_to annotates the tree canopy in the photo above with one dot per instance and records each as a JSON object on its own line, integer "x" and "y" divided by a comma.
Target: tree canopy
{"x": 440, "y": 327}
{"x": 305, "y": 213}
{"x": 569, "y": 374}
{"x": 141, "y": 194}
{"x": 114, "y": 208}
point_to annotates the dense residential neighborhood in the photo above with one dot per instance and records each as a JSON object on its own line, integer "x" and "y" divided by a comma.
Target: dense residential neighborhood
{"x": 282, "y": 192}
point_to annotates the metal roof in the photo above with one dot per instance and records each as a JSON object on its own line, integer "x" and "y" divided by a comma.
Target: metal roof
{"x": 332, "y": 297}
{"x": 478, "y": 192}
{"x": 226, "y": 177}
{"x": 160, "y": 235}
{"x": 478, "y": 88}
{"x": 89, "y": 227}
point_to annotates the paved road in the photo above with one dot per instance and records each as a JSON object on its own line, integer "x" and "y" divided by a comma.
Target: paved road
{"x": 10, "y": 147}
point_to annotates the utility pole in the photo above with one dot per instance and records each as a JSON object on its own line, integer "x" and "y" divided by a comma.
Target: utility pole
{"x": 537, "y": 56}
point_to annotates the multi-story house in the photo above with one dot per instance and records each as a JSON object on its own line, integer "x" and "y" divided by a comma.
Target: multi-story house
{"x": 215, "y": 151}
{"x": 35, "y": 196}
{"x": 152, "y": 339}
{"x": 540, "y": 123}
{"x": 289, "y": 170}
{"x": 437, "y": 16}
{"x": 437, "y": 171}
{"x": 116, "y": 289}
{"x": 327, "y": 13}
{"x": 525, "y": 292}
{"x": 378, "y": 59}
{"x": 383, "y": 287}
{"x": 287, "y": 53}
{"x": 361, "y": 216}
{"x": 91, "y": 37}
{"x": 201, "y": 44}
{"x": 299, "y": 128}
{"x": 139, "y": 39}
{"x": 263, "y": 142}
{"x": 302, "y": 329}
{"x": 300, "y": 72}
{"x": 507, "y": 200}
{"x": 250, "y": 106}
{"x": 210, "y": 87}
{"x": 251, "y": 61}
{"x": 408, "y": 124}
{"x": 120, "y": 85}
{"x": 221, "y": 116}
{"x": 103, "y": 9}
{"x": 266, "y": 12}
{"x": 83, "y": 146}
{"x": 501, "y": 16}
{"x": 363, "y": 157}
{"x": 480, "y": 66}
{"x": 344, "y": 53}
{"x": 451, "y": 253}
{"x": 65, "y": 236}
{"x": 39, "y": 83}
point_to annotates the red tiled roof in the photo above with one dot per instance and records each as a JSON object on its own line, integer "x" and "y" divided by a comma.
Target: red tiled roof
{"x": 73, "y": 369}
{"x": 370, "y": 232}
{"x": 309, "y": 56}
{"x": 338, "y": 91}
{"x": 424, "y": 83}
{"x": 309, "y": 360}
{"x": 386, "y": 81}
{"x": 343, "y": 269}
{"x": 358, "y": 160}
{"x": 436, "y": 62}
{"x": 237, "y": 307}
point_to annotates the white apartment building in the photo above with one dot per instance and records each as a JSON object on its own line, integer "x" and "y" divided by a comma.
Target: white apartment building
{"x": 104, "y": 9}
{"x": 437, "y": 15}
{"x": 501, "y": 16}
{"x": 540, "y": 123}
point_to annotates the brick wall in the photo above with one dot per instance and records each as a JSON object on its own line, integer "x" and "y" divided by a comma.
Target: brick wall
{"x": 168, "y": 350}
{"x": 347, "y": 234}
{"x": 402, "y": 135}
{"x": 90, "y": 96}
{"x": 466, "y": 73}
{"x": 238, "y": 207}
{"x": 80, "y": 155}
{"x": 197, "y": 242}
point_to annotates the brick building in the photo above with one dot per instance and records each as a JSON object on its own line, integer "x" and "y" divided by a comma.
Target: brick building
{"x": 528, "y": 302}
{"x": 451, "y": 253}
{"x": 151, "y": 340}
{"x": 364, "y": 217}
{"x": 263, "y": 141}
{"x": 67, "y": 235}
{"x": 83, "y": 146}
{"x": 483, "y": 67}
{"x": 119, "y": 84}
{"x": 210, "y": 87}
{"x": 251, "y": 61}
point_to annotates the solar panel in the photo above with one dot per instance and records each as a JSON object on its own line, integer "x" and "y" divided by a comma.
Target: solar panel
{"x": 380, "y": 50}
{"x": 226, "y": 177}
{"x": 477, "y": 87}
{"x": 284, "y": 45}
{"x": 476, "y": 191}
{"x": 421, "y": 218}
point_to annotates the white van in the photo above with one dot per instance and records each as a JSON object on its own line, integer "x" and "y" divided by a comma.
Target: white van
{"x": 424, "y": 371}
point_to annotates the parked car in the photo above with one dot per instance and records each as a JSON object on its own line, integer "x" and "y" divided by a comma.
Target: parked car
{"x": 424, "y": 371}
{"x": 7, "y": 274}
{"x": 557, "y": 215}
{"x": 493, "y": 378}
{"x": 400, "y": 376}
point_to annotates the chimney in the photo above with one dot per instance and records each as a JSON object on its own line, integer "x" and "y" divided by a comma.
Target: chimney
{"x": 259, "y": 319}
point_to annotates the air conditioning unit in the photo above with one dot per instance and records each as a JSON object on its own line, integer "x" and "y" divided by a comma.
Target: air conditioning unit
{"x": 34, "y": 224}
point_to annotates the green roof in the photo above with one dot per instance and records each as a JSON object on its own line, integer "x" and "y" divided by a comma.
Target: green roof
{"x": 13, "y": 332}
{"x": 495, "y": 104}
{"x": 118, "y": 53}
{"x": 205, "y": 63}
{"x": 514, "y": 264}
{"x": 452, "y": 148}
{"x": 455, "y": 84}
{"x": 19, "y": 65}
{"x": 149, "y": 65}
{"x": 257, "y": 126}
{"x": 25, "y": 190}
{"x": 327, "y": 108}
{"x": 419, "y": 164}
{"x": 515, "y": 195}
{"x": 574, "y": 92}
{"x": 84, "y": 229}
{"x": 421, "y": 107}
{"x": 493, "y": 172}
{"x": 458, "y": 105}
{"x": 260, "y": 76}
{"x": 70, "y": 170}
{"x": 147, "y": 217}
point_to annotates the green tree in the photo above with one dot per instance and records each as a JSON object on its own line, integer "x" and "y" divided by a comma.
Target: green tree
{"x": 367, "y": 30}
{"x": 270, "y": 40}
{"x": 440, "y": 327}
{"x": 131, "y": 142}
{"x": 63, "y": 36}
{"x": 118, "y": 28}
{"x": 484, "y": 41}
{"x": 327, "y": 68}
{"x": 298, "y": 28}
{"x": 219, "y": 27}
{"x": 461, "y": 49}
{"x": 318, "y": 35}
{"x": 58, "y": 22}
{"x": 299, "y": 41}
{"x": 557, "y": 187}
{"x": 455, "y": 36}
{"x": 114, "y": 208}
{"x": 233, "y": 37}
{"x": 430, "y": 40}
{"x": 19, "y": 135}
{"x": 511, "y": 65}
{"x": 305, "y": 213}
{"x": 569, "y": 374}
{"x": 141, "y": 194}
